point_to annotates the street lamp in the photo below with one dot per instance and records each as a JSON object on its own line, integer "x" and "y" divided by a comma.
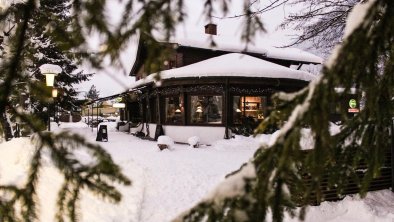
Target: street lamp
{"x": 50, "y": 71}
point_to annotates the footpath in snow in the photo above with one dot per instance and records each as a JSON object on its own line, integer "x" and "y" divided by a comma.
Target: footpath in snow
{"x": 174, "y": 180}
{"x": 165, "y": 183}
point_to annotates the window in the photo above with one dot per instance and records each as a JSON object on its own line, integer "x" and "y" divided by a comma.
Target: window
{"x": 206, "y": 109}
{"x": 173, "y": 110}
{"x": 249, "y": 106}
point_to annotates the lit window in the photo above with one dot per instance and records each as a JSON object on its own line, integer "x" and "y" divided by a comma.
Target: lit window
{"x": 173, "y": 110}
{"x": 206, "y": 109}
{"x": 249, "y": 106}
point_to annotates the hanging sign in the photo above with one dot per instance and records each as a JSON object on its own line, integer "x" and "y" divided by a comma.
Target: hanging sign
{"x": 118, "y": 100}
{"x": 353, "y": 106}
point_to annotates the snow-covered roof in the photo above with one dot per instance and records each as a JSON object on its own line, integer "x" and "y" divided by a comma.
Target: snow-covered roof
{"x": 222, "y": 44}
{"x": 230, "y": 65}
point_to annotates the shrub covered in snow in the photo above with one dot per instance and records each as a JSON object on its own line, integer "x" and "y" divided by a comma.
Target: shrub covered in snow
{"x": 164, "y": 142}
{"x": 194, "y": 141}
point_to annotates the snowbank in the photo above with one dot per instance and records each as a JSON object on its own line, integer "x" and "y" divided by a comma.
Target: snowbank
{"x": 165, "y": 184}
{"x": 377, "y": 206}
{"x": 193, "y": 141}
{"x": 65, "y": 125}
{"x": 14, "y": 167}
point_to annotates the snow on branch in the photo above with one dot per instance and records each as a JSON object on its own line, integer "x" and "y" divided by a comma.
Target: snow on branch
{"x": 298, "y": 111}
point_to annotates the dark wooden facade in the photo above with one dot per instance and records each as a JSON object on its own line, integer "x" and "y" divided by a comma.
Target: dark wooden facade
{"x": 193, "y": 100}
{"x": 181, "y": 55}
{"x": 152, "y": 100}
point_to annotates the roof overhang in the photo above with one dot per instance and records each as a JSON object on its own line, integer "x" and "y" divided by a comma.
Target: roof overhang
{"x": 229, "y": 65}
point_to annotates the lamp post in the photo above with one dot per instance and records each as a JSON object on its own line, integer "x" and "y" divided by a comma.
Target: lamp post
{"x": 50, "y": 71}
{"x": 54, "y": 96}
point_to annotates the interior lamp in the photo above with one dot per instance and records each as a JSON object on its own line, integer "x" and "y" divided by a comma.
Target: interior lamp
{"x": 178, "y": 110}
{"x": 199, "y": 109}
{"x": 238, "y": 110}
{"x": 50, "y": 71}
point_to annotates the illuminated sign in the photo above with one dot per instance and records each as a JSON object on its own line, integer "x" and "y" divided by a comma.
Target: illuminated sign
{"x": 352, "y": 103}
{"x": 119, "y": 105}
{"x": 353, "y": 106}
{"x": 118, "y": 100}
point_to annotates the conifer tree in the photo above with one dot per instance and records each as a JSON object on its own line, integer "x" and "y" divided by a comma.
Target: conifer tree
{"x": 49, "y": 51}
{"x": 42, "y": 48}
{"x": 93, "y": 93}
{"x": 28, "y": 46}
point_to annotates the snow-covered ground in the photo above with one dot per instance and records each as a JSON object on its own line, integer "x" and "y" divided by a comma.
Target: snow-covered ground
{"x": 165, "y": 183}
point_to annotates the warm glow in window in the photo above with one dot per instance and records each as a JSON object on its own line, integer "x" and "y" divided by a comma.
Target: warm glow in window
{"x": 206, "y": 109}
{"x": 249, "y": 106}
{"x": 173, "y": 110}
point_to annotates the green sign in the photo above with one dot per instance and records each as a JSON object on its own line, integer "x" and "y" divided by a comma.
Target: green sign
{"x": 118, "y": 99}
{"x": 352, "y": 103}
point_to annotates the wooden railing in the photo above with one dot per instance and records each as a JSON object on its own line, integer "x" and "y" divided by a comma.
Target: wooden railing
{"x": 384, "y": 181}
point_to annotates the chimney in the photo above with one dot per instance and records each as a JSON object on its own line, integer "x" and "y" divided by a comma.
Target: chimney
{"x": 210, "y": 29}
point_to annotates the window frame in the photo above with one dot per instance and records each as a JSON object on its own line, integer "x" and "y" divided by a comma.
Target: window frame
{"x": 189, "y": 110}
{"x": 164, "y": 110}
{"x": 266, "y": 111}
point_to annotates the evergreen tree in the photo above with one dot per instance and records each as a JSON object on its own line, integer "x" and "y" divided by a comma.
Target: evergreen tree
{"x": 93, "y": 93}
{"x": 49, "y": 51}
{"x": 28, "y": 46}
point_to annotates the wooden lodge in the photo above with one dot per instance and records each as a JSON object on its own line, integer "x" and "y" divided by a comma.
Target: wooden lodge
{"x": 205, "y": 90}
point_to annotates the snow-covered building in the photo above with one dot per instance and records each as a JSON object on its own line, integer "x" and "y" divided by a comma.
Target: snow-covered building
{"x": 206, "y": 90}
